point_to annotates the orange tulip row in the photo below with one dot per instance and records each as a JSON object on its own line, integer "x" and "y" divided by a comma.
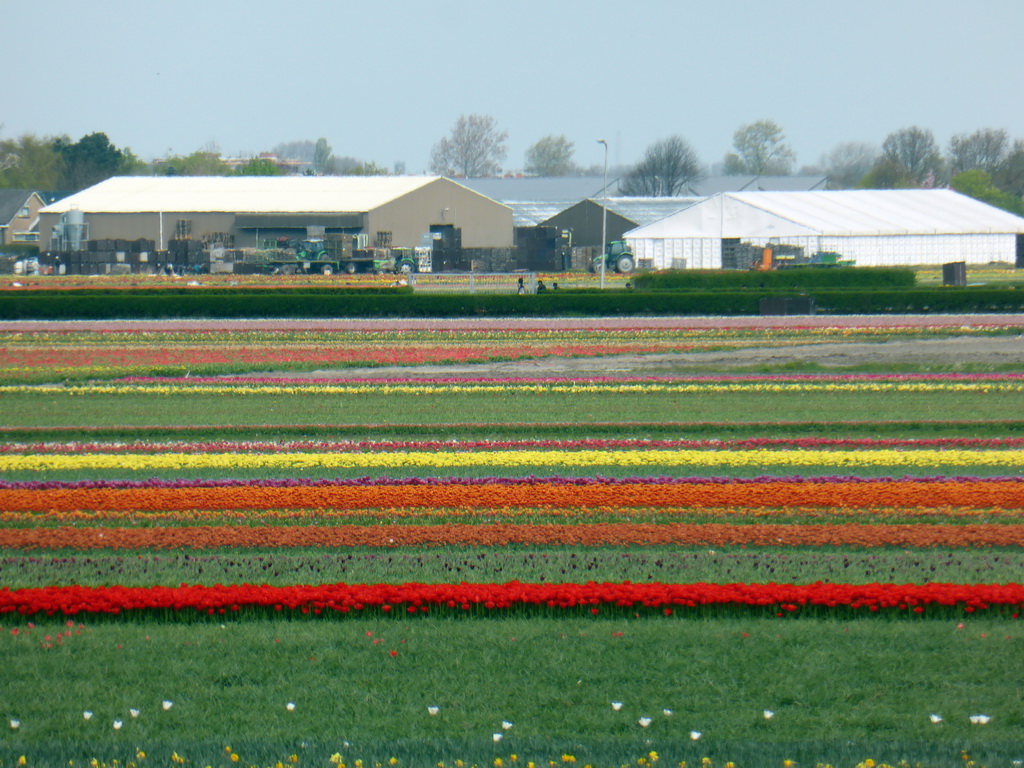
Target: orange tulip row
{"x": 977, "y": 493}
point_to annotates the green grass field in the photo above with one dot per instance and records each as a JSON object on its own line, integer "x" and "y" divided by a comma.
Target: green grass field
{"x": 840, "y": 688}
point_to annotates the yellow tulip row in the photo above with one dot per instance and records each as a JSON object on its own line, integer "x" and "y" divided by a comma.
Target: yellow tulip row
{"x": 557, "y": 458}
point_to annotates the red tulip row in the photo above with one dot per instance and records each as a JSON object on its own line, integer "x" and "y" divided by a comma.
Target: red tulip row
{"x": 414, "y": 598}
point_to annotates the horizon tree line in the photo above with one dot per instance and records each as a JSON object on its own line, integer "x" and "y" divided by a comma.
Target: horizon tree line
{"x": 987, "y": 163}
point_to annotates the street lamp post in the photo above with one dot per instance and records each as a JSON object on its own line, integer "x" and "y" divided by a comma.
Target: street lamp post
{"x": 604, "y": 211}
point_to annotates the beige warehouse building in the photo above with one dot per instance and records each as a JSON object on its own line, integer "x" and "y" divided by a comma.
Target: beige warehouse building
{"x": 398, "y": 210}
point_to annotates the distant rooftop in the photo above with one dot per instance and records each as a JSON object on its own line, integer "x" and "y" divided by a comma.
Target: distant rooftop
{"x": 644, "y": 210}
{"x": 540, "y": 189}
{"x": 714, "y": 185}
{"x": 249, "y": 194}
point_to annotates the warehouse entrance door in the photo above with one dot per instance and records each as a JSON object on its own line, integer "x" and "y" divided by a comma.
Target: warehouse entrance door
{"x": 1020, "y": 251}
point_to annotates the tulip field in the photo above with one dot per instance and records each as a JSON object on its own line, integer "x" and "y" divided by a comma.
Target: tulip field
{"x": 218, "y": 547}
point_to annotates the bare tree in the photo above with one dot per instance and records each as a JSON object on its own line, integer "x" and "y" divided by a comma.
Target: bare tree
{"x": 913, "y": 150}
{"x": 665, "y": 170}
{"x": 475, "y": 147}
{"x": 984, "y": 149}
{"x": 848, "y": 163}
{"x": 760, "y": 150}
{"x": 551, "y": 156}
{"x": 303, "y": 151}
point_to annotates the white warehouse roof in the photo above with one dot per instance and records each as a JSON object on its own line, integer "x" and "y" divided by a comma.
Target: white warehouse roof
{"x": 241, "y": 194}
{"x": 839, "y": 213}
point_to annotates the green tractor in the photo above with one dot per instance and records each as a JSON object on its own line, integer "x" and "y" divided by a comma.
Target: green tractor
{"x": 617, "y": 257}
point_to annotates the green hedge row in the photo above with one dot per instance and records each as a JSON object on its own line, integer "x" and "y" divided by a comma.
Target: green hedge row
{"x": 566, "y": 303}
{"x": 219, "y": 290}
{"x": 796, "y": 278}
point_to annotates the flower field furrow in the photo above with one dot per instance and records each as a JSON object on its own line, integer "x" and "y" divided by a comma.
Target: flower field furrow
{"x": 978, "y": 493}
{"x": 961, "y": 323}
{"x": 351, "y": 446}
{"x": 340, "y": 387}
{"x": 416, "y": 598}
{"x": 123, "y": 360}
{"x": 501, "y": 534}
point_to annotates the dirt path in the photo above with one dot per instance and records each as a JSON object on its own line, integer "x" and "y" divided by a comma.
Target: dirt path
{"x": 998, "y": 350}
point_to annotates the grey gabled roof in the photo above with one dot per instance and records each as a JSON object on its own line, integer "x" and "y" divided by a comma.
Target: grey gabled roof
{"x": 12, "y": 201}
{"x": 540, "y": 189}
{"x": 530, "y": 214}
{"x": 644, "y": 210}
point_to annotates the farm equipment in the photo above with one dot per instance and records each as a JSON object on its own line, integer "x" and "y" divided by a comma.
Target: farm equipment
{"x": 617, "y": 257}
{"x": 332, "y": 254}
{"x": 785, "y": 256}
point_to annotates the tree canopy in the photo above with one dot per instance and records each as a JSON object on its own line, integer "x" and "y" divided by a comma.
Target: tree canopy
{"x": 760, "y": 150}
{"x": 551, "y": 156}
{"x": 910, "y": 157}
{"x": 978, "y": 184}
{"x": 848, "y": 163}
{"x": 475, "y": 147}
{"x": 665, "y": 170}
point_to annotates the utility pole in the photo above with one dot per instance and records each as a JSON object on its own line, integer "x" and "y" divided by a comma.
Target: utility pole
{"x": 604, "y": 211}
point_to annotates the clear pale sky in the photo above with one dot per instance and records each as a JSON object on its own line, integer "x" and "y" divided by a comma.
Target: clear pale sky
{"x": 384, "y": 80}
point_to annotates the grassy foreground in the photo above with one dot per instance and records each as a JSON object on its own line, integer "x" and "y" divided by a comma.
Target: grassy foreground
{"x": 837, "y": 689}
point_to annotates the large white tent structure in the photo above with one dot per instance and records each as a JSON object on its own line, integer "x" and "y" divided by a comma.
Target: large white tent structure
{"x": 871, "y": 227}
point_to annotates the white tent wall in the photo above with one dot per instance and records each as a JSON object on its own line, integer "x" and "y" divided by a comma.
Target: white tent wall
{"x": 917, "y": 250}
{"x": 869, "y": 251}
{"x": 678, "y": 252}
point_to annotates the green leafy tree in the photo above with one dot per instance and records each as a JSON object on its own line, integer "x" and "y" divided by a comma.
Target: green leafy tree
{"x": 260, "y": 166}
{"x": 89, "y": 160}
{"x": 475, "y": 147}
{"x": 887, "y": 174}
{"x": 978, "y": 184}
{"x": 760, "y": 150}
{"x": 665, "y": 170}
{"x": 368, "y": 168}
{"x": 199, "y": 163}
{"x": 551, "y": 156}
{"x": 29, "y": 162}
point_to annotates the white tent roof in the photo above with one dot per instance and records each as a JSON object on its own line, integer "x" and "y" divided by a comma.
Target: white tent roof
{"x": 241, "y": 194}
{"x": 840, "y": 213}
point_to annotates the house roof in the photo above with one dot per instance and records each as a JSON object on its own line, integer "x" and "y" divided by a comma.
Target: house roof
{"x": 838, "y": 213}
{"x": 241, "y": 194}
{"x": 12, "y": 201}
